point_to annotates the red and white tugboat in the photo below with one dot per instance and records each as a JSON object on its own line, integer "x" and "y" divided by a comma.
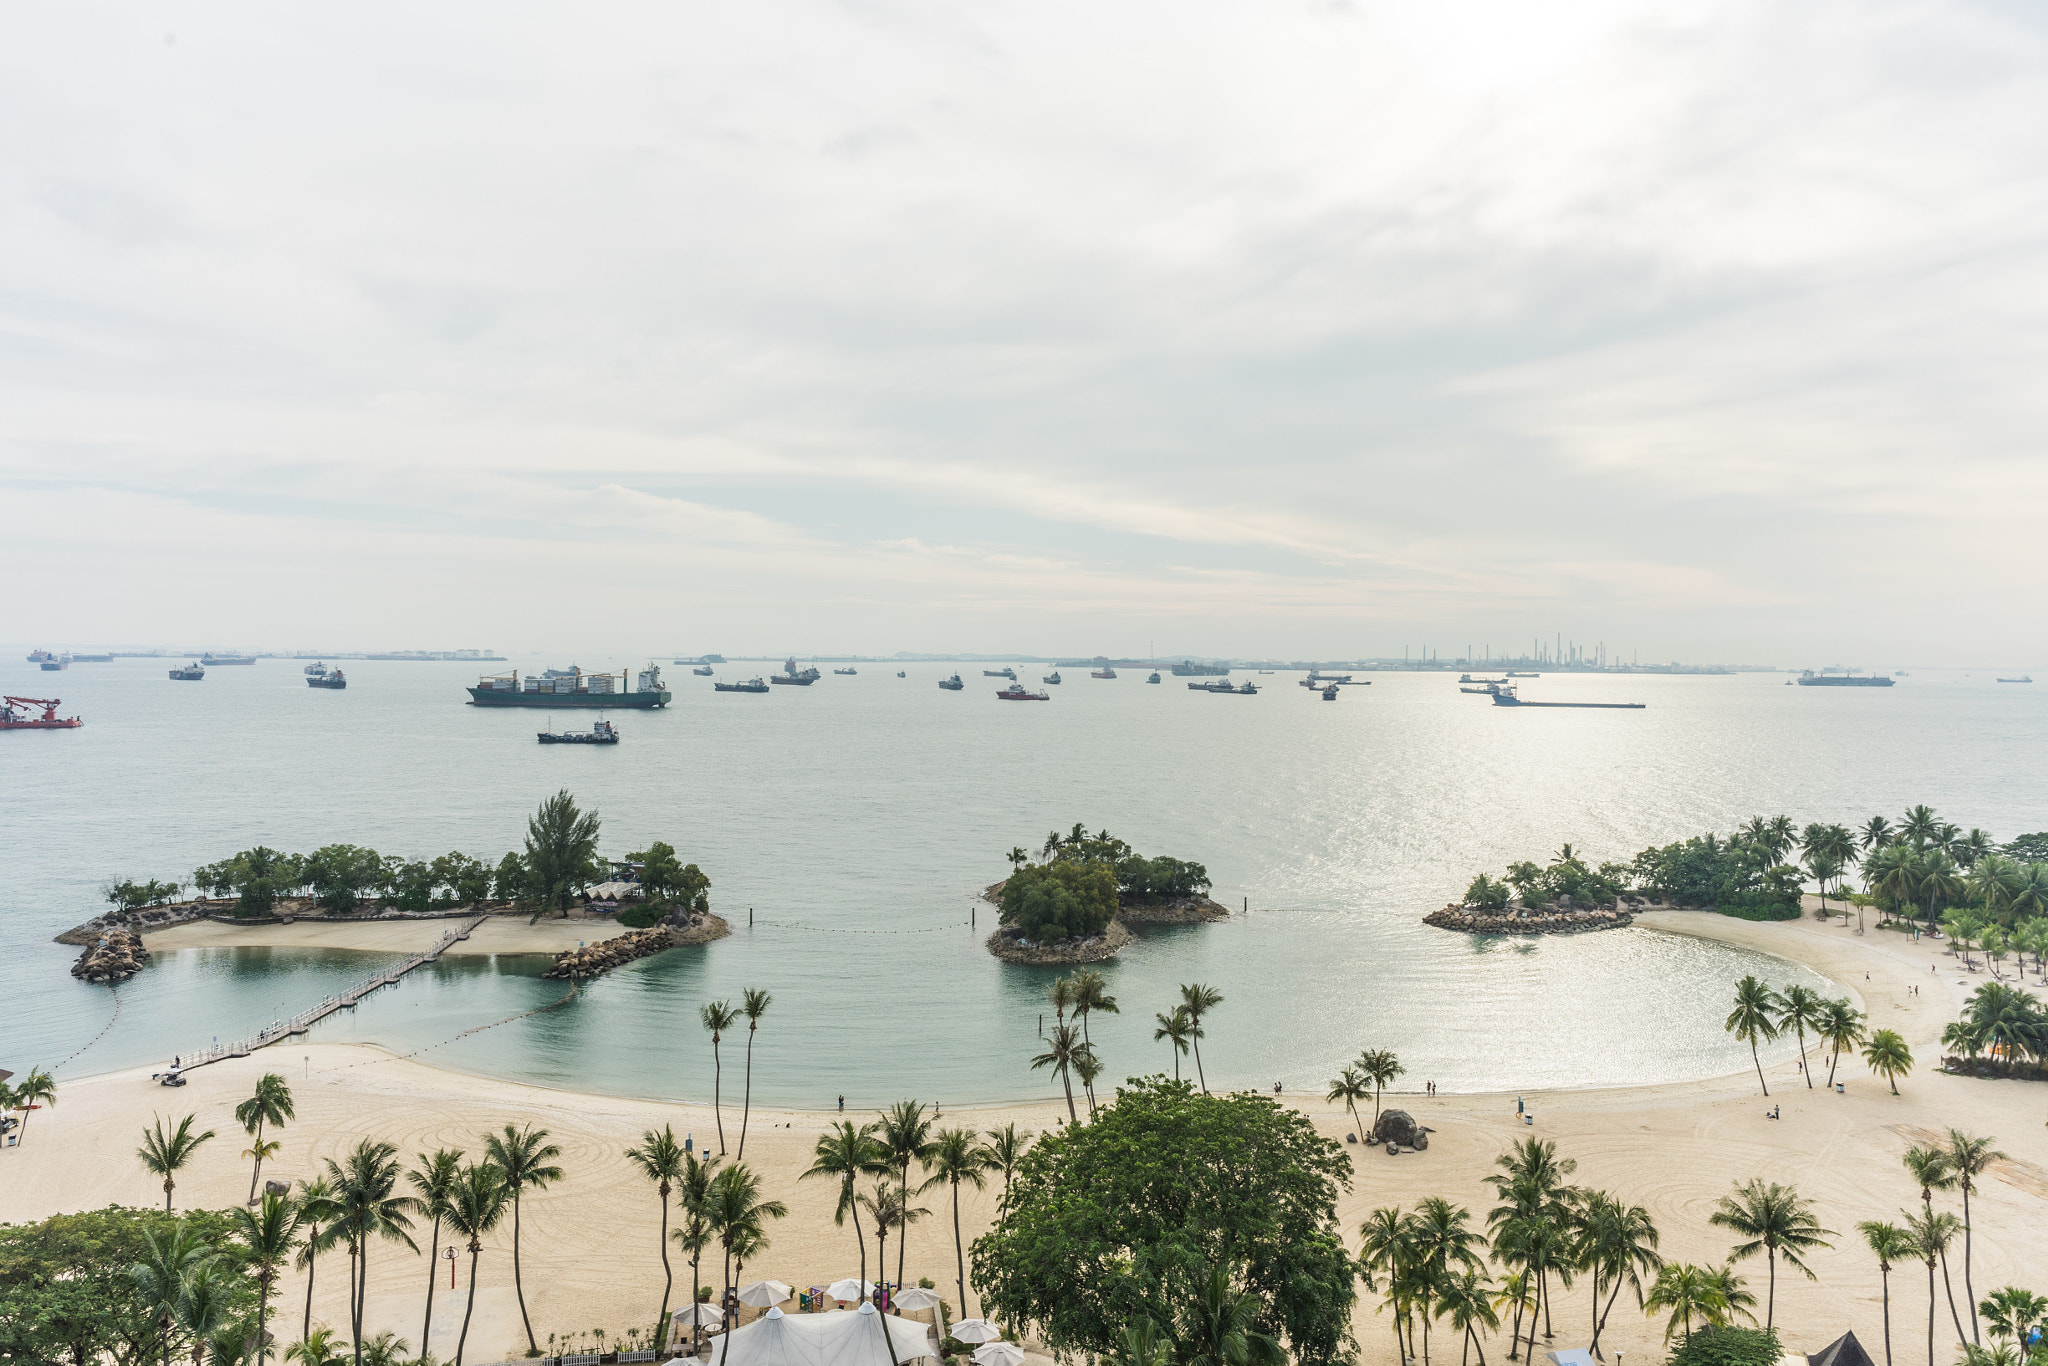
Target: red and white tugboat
{"x": 1017, "y": 692}
{"x": 26, "y": 719}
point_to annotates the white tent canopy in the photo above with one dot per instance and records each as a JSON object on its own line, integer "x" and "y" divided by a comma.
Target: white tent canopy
{"x": 838, "y": 1338}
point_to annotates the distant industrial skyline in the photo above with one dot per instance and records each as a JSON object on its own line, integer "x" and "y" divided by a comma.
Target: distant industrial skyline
{"x": 1713, "y": 333}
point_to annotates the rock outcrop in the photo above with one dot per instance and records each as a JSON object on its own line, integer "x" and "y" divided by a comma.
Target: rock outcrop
{"x": 594, "y": 960}
{"x": 1550, "y": 919}
{"x": 1014, "y": 949}
{"x": 1399, "y": 1127}
{"x": 114, "y": 957}
{"x": 1193, "y": 910}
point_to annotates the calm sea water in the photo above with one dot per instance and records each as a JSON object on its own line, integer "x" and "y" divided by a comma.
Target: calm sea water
{"x": 858, "y": 818}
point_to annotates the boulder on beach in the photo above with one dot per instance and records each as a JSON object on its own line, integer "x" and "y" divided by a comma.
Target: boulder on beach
{"x": 1398, "y": 1126}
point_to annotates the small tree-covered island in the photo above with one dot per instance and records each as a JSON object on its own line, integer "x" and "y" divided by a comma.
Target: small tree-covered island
{"x": 664, "y": 900}
{"x": 1075, "y": 902}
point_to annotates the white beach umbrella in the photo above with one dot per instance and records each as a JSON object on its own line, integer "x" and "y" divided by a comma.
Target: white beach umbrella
{"x": 850, "y": 1289}
{"x": 976, "y": 1330}
{"x": 917, "y": 1297}
{"x": 999, "y": 1354}
{"x": 700, "y": 1315}
{"x": 763, "y": 1294}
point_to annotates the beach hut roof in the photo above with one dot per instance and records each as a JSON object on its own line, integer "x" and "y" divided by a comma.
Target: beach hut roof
{"x": 837, "y": 1338}
{"x": 1843, "y": 1351}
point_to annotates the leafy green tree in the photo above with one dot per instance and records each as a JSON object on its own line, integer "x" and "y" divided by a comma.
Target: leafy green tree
{"x": 1059, "y": 900}
{"x": 1775, "y": 1221}
{"x": 340, "y": 874}
{"x": 1109, "y": 1220}
{"x": 408, "y": 884}
{"x": 467, "y": 879}
{"x": 526, "y": 1159}
{"x": 1755, "y": 1019}
{"x": 258, "y": 877}
{"x": 511, "y": 880}
{"x": 1487, "y": 895}
{"x": 561, "y": 854}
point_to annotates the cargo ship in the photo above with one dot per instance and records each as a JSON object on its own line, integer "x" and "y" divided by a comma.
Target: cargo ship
{"x": 952, "y": 684}
{"x": 599, "y": 734}
{"x": 795, "y": 677}
{"x": 16, "y": 713}
{"x": 577, "y": 689}
{"x": 1810, "y": 679}
{"x": 702, "y": 671}
{"x": 1103, "y": 673}
{"x": 191, "y": 673}
{"x": 2021, "y": 679}
{"x": 846, "y": 672}
{"x": 751, "y": 685}
{"x": 1504, "y": 696}
{"x": 327, "y": 678}
{"x": 1053, "y": 677}
{"x": 56, "y": 664}
{"x": 317, "y": 669}
{"x": 1010, "y": 674}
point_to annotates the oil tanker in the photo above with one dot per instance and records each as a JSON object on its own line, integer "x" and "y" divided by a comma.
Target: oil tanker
{"x": 574, "y": 689}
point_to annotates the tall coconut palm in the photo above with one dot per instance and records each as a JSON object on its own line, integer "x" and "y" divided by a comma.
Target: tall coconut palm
{"x": 317, "y": 1206}
{"x": 316, "y": 1348}
{"x": 1062, "y": 1049}
{"x": 1931, "y": 1235}
{"x": 270, "y": 1233}
{"x": 1091, "y": 993}
{"x": 1840, "y": 1027}
{"x": 38, "y": 1088}
{"x": 1380, "y": 1067}
{"x": 1754, "y": 1020}
{"x": 1617, "y": 1243}
{"x": 844, "y": 1154}
{"x": 1800, "y": 1009}
{"x": 527, "y": 1159}
{"x": 1443, "y": 1245}
{"x": 737, "y": 1214}
{"x": 1969, "y": 1158}
{"x": 1087, "y": 1066}
{"x": 270, "y": 1103}
{"x": 906, "y": 1134}
{"x": 1876, "y": 833}
{"x": 1532, "y": 1223}
{"x": 1892, "y": 871}
{"x": 1919, "y": 826}
{"x": 693, "y": 1192}
{"x": 1466, "y": 1300}
{"x": 1386, "y": 1250}
{"x": 1929, "y": 1167}
{"x": 1350, "y": 1087}
{"x": 203, "y": 1303}
{"x": 164, "y": 1267}
{"x": 1689, "y": 1292}
{"x": 1199, "y": 1000}
{"x": 1176, "y": 1029}
{"x": 1517, "y": 1292}
{"x": 165, "y": 1152}
{"x": 1005, "y": 1150}
{"x": 1061, "y": 995}
{"x": 1992, "y": 881}
{"x": 753, "y": 1004}
{"x": 659, "y": 1157}
{"x": 1775, "y": 1221}
{"x": 718, "y": 1017}
{"x": 366, "y": 1187}
{"x": 434, "y": 1178}
{"x": 1888, "y": 1056}
{"x": 1939, "y": 881}
{"x": 476, "y": 1206}
{"x": 956, "y": 1156}
{"x": 1891, "y": 1245}
{"x": 885, "y": 1206}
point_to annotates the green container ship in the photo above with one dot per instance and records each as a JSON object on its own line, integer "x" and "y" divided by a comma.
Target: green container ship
{"x": 574, "y": 688}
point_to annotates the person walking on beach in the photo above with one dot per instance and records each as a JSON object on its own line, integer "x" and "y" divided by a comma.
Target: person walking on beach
{"x": 842, "y": 1105}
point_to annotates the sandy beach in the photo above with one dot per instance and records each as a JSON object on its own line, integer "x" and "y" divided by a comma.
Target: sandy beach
{"x": 590, "y": 1243}
{"x": 498, "y": 934}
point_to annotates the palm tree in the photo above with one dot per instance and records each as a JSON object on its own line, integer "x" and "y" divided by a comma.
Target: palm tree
{"x": 527, "y": 1159}
{"x": 845, "y": 1154}
{"x": 1199, "y": 1000}
{"x": 270, "y": 1232}
{"x": 366, "y": 1187}
{"x": 1931, "y": 1235}
{"x": 885, "y": 1207}
{"x": 1017, "y": 856}
{"x": 1005, "y": 1150}
{"x": 906, "y": 1135}
{"x": 316, "y": 1349}
{"x": 1467, "y": 1302}
{"x": 1969, "y": 1158}
{"x": 37, "y": 1088}
{"x": 201, "y": 1305}
{"x": 1176, "y": 1029}
{"x": 1141, "y": 1344}
{"x": 1840, "y": 1026}
{"x": 737, "y": 1215}
{"x": 718, "y": 1017}
{"x": 1386, "y": 1250}
{"x": 1063, "y": 1049}
{"x": 386, "y": 1349}
{"x": 1876, "y": 833}
{"x": 1938, "y": 880}
{"x": 753, "y": 1004}
{"x": 317, "y": 1206}
{"x": 165, "y": 1152}
{"x": 1379, "y": 1066}
{"x": 1349, "y": 1087}
{"x": 1892, "y": 871}
{"x": 660, "y": 1159}
{"x": 1929, "y": 1167}
{"x": 1222, "y": 1328}
{"x": 1776, "y": 1221}
{"x": 271, "y": 1103}
{"x": 2011, "y": 1312}
{"x": 1689, "y": 1292}
{"x": 955, "y": 1156}
{"x": 1442, "y": 1245}
{"x": 1518, "y": 1293}
{"x": 1755, "y": 1019}
{"x": 1061, "y": 995}
{"x": 1530, "y": 1223}
{"x": 1052, "y": 843}
{"x": 1891, "y": 1245}
{"x": 1800, "y": 1008}
{"x": 693, "y": 1192}
{"x": 1088, "y": 1067}
{"x": 1091, "y": 993}
{"x": 1618, "y": 1244}
{"x": 434, "y": 1178}
{"x": 476, "y": 1206}
{"x": 1919, "y": 826}
{"x": 163, "y": 1269}
{"x": 1888, "y": 1056}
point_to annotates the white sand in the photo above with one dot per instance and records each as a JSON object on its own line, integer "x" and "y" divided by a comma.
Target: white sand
{"x": 590, "y": 1244}
{"x": 498, "y": 934}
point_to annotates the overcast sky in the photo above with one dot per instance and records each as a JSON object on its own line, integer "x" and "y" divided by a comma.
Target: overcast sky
{"x": 1315, "y": 329}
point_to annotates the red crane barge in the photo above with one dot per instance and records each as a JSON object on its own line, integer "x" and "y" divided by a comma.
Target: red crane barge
{"x": 26, "y": 719}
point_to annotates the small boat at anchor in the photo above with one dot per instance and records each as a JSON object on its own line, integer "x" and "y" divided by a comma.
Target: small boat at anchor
{"x": 1053, "y": 677}
{"x": 952, "y": 684}
{"x": 751, "y": 685}
{"x": 1010, "y": 674}
{"x": 845, "y": 671}
{"x": 602, "y": 733}
{"x": 1016, "y": 692}
{"x": 1103, "y": 673}
{"x": 702, "y": 671}
{"x": 332, "y": 678}
{"x": 1152, "y": 677}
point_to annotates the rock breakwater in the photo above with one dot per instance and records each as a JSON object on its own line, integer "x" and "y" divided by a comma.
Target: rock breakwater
{"x": 115, "y": 957}
{"x": 594, "y": 960}
{"x": 1012, "y": 949}
{"x": 1529, "y": 920}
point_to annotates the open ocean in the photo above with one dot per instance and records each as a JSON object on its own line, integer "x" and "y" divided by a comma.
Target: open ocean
{"x": 859, "y": 817}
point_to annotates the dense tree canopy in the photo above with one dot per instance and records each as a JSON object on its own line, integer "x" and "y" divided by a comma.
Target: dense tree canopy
{"x": 561, "y": 850}
{"x": 1059, "y": 900}
{"x": 1128, "y": 1215}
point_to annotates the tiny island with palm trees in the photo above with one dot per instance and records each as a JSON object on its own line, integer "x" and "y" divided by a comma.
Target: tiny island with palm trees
{"x": 1075, "y": 902}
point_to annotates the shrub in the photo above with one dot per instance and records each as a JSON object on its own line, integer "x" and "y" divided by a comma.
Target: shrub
{"x": 1730, "y": 1346}
{"x": 640, "y": 917}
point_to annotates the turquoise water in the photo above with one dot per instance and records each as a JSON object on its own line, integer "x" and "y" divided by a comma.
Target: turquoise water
{"x": 859, "y": 817}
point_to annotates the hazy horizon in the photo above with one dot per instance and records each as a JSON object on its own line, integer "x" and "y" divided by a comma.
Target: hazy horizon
{"x": 1310, "y": 331}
